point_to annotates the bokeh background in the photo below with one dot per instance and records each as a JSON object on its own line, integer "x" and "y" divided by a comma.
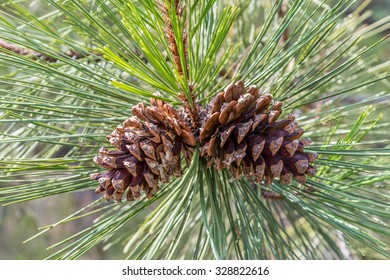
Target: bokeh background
{"x": 21, "y": 221}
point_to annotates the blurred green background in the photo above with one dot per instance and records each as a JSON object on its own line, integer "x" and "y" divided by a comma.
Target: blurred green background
{"x": 21, "y": 221}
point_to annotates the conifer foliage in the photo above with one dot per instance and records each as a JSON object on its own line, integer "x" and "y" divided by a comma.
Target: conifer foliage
{"x": 216, "y": 129}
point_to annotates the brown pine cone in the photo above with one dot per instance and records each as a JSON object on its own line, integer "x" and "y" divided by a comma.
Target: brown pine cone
{"x": 240, "y": 132}
{"x": 149, "y": 145}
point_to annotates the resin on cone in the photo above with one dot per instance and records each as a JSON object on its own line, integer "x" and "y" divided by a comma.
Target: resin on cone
{"x": 148, "y": 151}
{"x": 241, "y": 132}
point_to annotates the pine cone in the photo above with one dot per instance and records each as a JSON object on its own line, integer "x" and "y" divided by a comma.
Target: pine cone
{"x": 240, "y": 132}
{"x": 149, "y": 145}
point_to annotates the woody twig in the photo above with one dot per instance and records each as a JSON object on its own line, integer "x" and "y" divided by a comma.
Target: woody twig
{"x": 174, "y": 48}
{"x": 286, "y": 34}
{"x": 40, "y": 56}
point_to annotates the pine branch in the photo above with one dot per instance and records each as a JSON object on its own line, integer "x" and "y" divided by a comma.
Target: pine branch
{"x": 170, "y": 35}
{"x": 55, "y": 116}
{"x": 181, "y": 61}
{"x": 286, "y": 34}
{"x": 37, "y": 55}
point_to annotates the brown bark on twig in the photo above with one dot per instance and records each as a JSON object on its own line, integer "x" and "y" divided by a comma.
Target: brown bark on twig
{"x": 37, "y": 55}
{"x": 286, "y": 34}
{"x": 170, "y": 35}
{"x": 173, "y": 44}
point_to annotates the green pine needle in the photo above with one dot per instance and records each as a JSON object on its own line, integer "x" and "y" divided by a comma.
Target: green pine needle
{"x": 318, "y": 57}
